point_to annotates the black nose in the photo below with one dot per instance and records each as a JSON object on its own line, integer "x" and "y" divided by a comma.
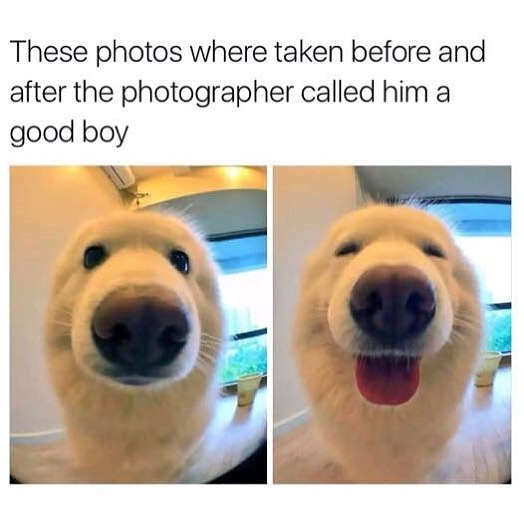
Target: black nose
{"x": 392, "y": 303}
{"x": 140, "y": 330}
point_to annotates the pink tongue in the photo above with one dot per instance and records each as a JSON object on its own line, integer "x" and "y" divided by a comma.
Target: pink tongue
{"x": 388, "y": 381}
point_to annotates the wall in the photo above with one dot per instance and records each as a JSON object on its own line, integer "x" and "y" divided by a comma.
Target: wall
{"x": 306, "y": 201}
{"x": 47, "y": 205}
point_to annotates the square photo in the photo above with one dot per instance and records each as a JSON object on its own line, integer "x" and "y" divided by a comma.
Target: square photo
{"x": 392, "y": 326}
{"x": 139, "y": 312}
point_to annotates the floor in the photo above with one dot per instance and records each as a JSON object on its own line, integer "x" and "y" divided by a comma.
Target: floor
{"x": 479, "y": 453}
{"x": 235, "y": 434}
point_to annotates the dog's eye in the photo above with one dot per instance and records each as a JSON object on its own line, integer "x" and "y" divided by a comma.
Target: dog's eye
{"x": 433, "y": 250}
{"x": 180, "y": 260}
{"x": 347, "y": 249}
{"x": 94, "y": 256}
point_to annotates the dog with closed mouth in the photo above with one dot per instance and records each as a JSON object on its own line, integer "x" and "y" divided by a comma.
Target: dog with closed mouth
{"x": 134, "y": 334}
{"x": 387, "y": 333}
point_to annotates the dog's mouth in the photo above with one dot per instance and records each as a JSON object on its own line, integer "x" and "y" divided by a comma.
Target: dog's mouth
{"x": 387, "y": 380}
{"x": 135, "y": 380}
{"x": 133, "y": 377}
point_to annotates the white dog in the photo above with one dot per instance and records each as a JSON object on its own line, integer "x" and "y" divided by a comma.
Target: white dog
{"x": 134, "y": 333}
{"x": 388, "y": 329}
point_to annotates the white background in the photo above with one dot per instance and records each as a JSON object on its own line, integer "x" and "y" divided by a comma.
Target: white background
{"x": 482, "y": 126}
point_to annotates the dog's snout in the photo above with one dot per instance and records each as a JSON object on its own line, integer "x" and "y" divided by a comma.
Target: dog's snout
{"x": 140, "y": 330}
{"x": 392, "y": 303}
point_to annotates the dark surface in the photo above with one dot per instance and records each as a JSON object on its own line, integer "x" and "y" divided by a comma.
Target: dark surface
{"x": 252, "y": 471}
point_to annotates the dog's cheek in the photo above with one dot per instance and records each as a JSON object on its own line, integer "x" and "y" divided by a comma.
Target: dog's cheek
{"x": 339, "y": 319}
{"x": 82, "y": 344}
{"x": 445, "y": 315}
{"x": 187, "y": 361}
{"x": 454, "y": 295}
{"x": 449, "y": 288}
{"x": 88, "y": 290}
{"x": 212, "y": 324}
{"x": 207, "y": 320}
{"x": 441, "y": 327}
{"x": 207, "y": 284}
{"x": 59, "y": 316}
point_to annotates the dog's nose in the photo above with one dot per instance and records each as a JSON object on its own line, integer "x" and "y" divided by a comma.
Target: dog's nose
{"x": 139, "y": 331}
{"x": 392, "y": 303}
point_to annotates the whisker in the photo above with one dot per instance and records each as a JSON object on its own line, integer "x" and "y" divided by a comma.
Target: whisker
{"x": 64, "y": 309}
{"x": 212, "y": 337}
{"x": 208, "y": 357}
{"x": 209, "y": 349}
{"x": 210, "y": 344}
{"x": 59, "y": 323}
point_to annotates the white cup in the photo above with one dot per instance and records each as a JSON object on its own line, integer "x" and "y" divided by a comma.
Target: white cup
{"x": 247, "y": 387}
{"x": 487, "y": 367}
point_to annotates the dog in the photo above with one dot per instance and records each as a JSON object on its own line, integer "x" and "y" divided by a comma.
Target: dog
{"x": 388, "y": 329}
{"x": 134, "y": 335}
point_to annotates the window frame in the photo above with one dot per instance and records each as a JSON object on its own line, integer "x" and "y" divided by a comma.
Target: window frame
{"x": 248, "y": 233}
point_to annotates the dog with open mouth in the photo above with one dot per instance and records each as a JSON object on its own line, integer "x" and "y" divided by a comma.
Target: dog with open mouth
{"x": 387, "y": 333}
{"x": 134, "y": 335}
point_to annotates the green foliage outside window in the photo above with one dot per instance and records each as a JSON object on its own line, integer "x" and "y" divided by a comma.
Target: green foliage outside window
{"x": 498, "y": 330}
{"x": 244, "y": 356}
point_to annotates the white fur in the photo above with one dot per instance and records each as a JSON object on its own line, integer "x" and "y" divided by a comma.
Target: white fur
{"x": 122, "y": 433}
{"x": 376, "y": 443}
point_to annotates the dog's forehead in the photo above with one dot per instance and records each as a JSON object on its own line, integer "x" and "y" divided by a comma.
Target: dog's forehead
{"x": 381, "y": 220}
{"x": 138, "y": 227}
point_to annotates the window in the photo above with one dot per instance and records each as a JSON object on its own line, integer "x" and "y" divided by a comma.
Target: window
{"x": 245, "y": 284}
{"x": 484, "y": 234}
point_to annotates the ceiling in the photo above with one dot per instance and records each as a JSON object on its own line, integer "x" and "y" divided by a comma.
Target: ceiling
{"x": 384, "y": 182}
{"x": 144, "y": 172}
